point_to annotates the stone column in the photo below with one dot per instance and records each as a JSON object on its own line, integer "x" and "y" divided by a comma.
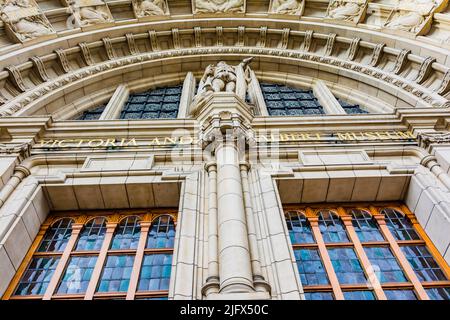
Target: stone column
{"x": 213, "y": 281}
{"x": 258, "y": 279}
{"x": 20, "y": 172}
{"x": 234, "y": 256}
{"x": 430, "y": 162}
{"x": 326, "y": 98}
{"x": 115, "y": 104}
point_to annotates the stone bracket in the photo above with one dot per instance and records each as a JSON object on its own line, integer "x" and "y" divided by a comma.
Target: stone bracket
{"x": 16, "y": 77}
{"x": 40, "y": 67}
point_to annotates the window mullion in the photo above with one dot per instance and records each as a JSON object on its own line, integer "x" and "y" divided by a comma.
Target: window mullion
{"x": 366, "y": 265}
{"x": 134, "y": 278}
{"x": 110, "y": 227}
{"x": 314, "y": 222}
{"x": 76, "y": 229}
{"x": 404, "y": 263}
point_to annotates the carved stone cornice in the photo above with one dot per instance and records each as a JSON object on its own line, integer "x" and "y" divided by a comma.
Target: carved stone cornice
{"x": 427, "y": 139}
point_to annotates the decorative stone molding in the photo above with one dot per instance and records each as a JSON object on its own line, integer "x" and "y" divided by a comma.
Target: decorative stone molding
{"x": 148, "y": 8}
{"x": 353, "y": 49}
{"x": 91, "y": 12}
{"x": 62, "y": 57}
{"x": 428, "y": 138}
{"x": 346, "y": 10}
{"x": 330, "y": 44}
{"x": 22, "y": 149}
{"x": 40, "y": 67}
{"x": 425, "y": 69}
{"x": 445, "y": 84}
{"x": 401, "y": 60}
{"x": 289, "y": 7}
{"x": 377, "y": 54}
{"x": 109, "y": 48}
{"x": 218, "y": 6}
{"x": 16, "y": 76}
{"x": 132, "y": 44}
{"x": 86, "y": 53}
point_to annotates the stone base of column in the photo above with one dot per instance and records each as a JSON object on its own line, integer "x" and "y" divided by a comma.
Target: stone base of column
{"x": 212, "y": 286}
{"x": 261, "y": 285}
{"x": 240, "y": 296}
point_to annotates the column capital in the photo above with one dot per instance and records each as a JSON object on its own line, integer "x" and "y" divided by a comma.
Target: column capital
{"x": 211, "y": 166}
{"x": 22, "y": 169}
{"x": 427, "y": 160}
{"x": 244, "y": 165}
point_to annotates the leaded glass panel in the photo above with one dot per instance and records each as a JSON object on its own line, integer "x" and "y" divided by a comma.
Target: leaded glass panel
{"x": 37, "y": 276}
{"x": 162, "y": 233}
{"x": 351, "y": 108}
{"x": 92, "y": 114}
{"x": 77, "y": 275}
{"x": 127, "y": 235}
{"x": 310, "y": 267}
{"x": 91, "y": 238}
{"x": 359, "y": 295}
{"x": 299, "y": 228}
{"x": 331, "y": 227}
{"x": 399, "y": 225}
{"x": 400, "y": 294}
{"x": 385, "y": 265}
{"x": 438, "y": 293}
{"x": 116, "y": 273}
{"x": 346, "y": 266}
{"x": 423, "y": 263}
{"x": 155, "y": 272}
{"x": 365, "y": 226}
{"x": 320, "y": 295}
{"x": 57, "y": 236}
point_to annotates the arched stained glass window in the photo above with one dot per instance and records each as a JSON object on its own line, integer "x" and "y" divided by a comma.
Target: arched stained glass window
{"x": 162, "y": 233}
{"x": 351, "y": 108}
{"x": 127, "y": 234}
{"x": 161, "y": 103}
{"x": 91, "y": 238}
{"x": 92, "y": 114}
{"x": 299, "y": 228}
{"x": 57, "y": 236}
{"x": 399, "y": 225}
{"x": 365, "y": 226}
{"x": 331, "y": 227}
{"x": 285, "y": 101}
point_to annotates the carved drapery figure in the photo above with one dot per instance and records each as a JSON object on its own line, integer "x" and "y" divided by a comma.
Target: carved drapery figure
{"x": 345, "y": 10}
{"x": 93, "y": 15}
{"x": 409, "y": 15}
{"x": 221, "y": 77}
{"x": 145, "y": 8}
{"x": 286, "y": 6}
{"x": 217, "y": 6}
{"x": 25, "y": 19}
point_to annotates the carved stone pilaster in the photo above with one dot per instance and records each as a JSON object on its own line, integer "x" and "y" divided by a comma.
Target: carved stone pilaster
{"x": 219, "y": 35}
{"x": 198, "y": 37}
{"x": 241, "y": 36}
{"x": 262, "y": 37}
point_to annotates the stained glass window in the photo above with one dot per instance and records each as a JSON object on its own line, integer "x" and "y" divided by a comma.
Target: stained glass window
{"x": 153, "y": 104}
{"x": 399, "y": 225}
{"x": 91, "y": 238}
{"x": 37, "y": 277}
{"x": 331, "y": 227}
{"x": 359, "y": 295}
{"x": 162, "y": 233}
{"x": 155, "y": 272}
{"x": 400, "y": 295}
{"x": 77, "y": 275}
{"x": 299, "y": 228}
{"x": 423, "y": 263}
{"x": 439, "y": 293}
{"x": 310, "y": 267}
{"x": 92, "y": 114}
{"x": 127, "y": 235}
{"x": 351, "y": 108}
{"x": 116, "y": 273}
{"x": 385, "y": 265}
{"x": 365, "y": 226}
{"x": 320, "y": 295}
{"x": 346, "y": 265}
{"x": 57, "y": 236}
{"x": 285, "y": 101}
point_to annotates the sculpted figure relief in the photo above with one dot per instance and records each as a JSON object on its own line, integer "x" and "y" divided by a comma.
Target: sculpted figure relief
{"x": 144, "y": 8}
{"x": 409, "y": 15}
{"x": 93, "y": 15}
{"x": 25, "y": 19}
{"x": 217, "y": 6}
{"x": 220, "y": 77}
{"x": 345, "y": 10}
{"x": 287, "y": 6}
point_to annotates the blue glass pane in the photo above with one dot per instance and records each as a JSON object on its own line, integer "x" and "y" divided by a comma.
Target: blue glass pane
{"x": 346, "y": 266}
{"x": 282, "y": 101}
{"x": 385, "y": 265}
{"x": 351, "y": 108}
{"x": 399, "y": 225}
{"x": 91, "y": 238}
{"x": 77, "y": 275}
{"x": 331, "y": 227}
{"x": 439, "y": 293}
{"x": 423, "y": 263}
{"x": 128, "y": 233}
{"x": 162, "y": 233}
{"x": 299, "y": 228}
{"x": 37, "y": 276}
{"x": 359, "y": 295}
{"x": 365, "y": 226}
{"x": 57, "y": 236}
{"x": 161, "y": 103}
{"x": 116, "y": 273}
{"x": 319, "y": 296}
{"x": 155, "y": 272}
{"x": 92, "y": 114}
{"x": 400, "y": 294}
{"x": 310, "y": 267}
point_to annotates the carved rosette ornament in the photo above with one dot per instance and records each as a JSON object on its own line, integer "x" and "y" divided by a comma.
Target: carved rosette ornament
{"x": 428, "y": 138}
{"x": 346, "y": 10}
{"x": 218, "y": 6}
{"x": 150, "y": 8}
{"x": 24, "y": 20}
{"x": 90, "y": 12}
{"x": 289, "y": 7}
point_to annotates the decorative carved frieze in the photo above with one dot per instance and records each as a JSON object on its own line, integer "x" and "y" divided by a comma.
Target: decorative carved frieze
{"x": 290, "y": 7}
{"x": 109, "y": 48}
{"x": 346, "y": 10}
{"x": 218, "y": 6}
{"x": 377, "y": 54}
{"x": 401, "y": 61}
{"x": 64, "y": 62}
{"x": 16, "y": 77}
{"x": 149, "y": 8}
{"x": 353, "y": 49}
{"x": 132, "y": 44}
{"x": 24, "y": 20}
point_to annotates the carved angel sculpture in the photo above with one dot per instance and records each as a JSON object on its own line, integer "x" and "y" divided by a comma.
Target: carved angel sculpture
{"x": 287, "y": 6}
{"x": 152, "y": 8}
{"x": 31, "y": 27}
{"x": 346, "y": 11}
{"x": 410, "y": 14}
{"x": 219, "y": 5}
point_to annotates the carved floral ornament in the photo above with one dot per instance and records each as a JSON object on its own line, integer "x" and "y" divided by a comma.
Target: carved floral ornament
{"x": 37, "y": 93}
